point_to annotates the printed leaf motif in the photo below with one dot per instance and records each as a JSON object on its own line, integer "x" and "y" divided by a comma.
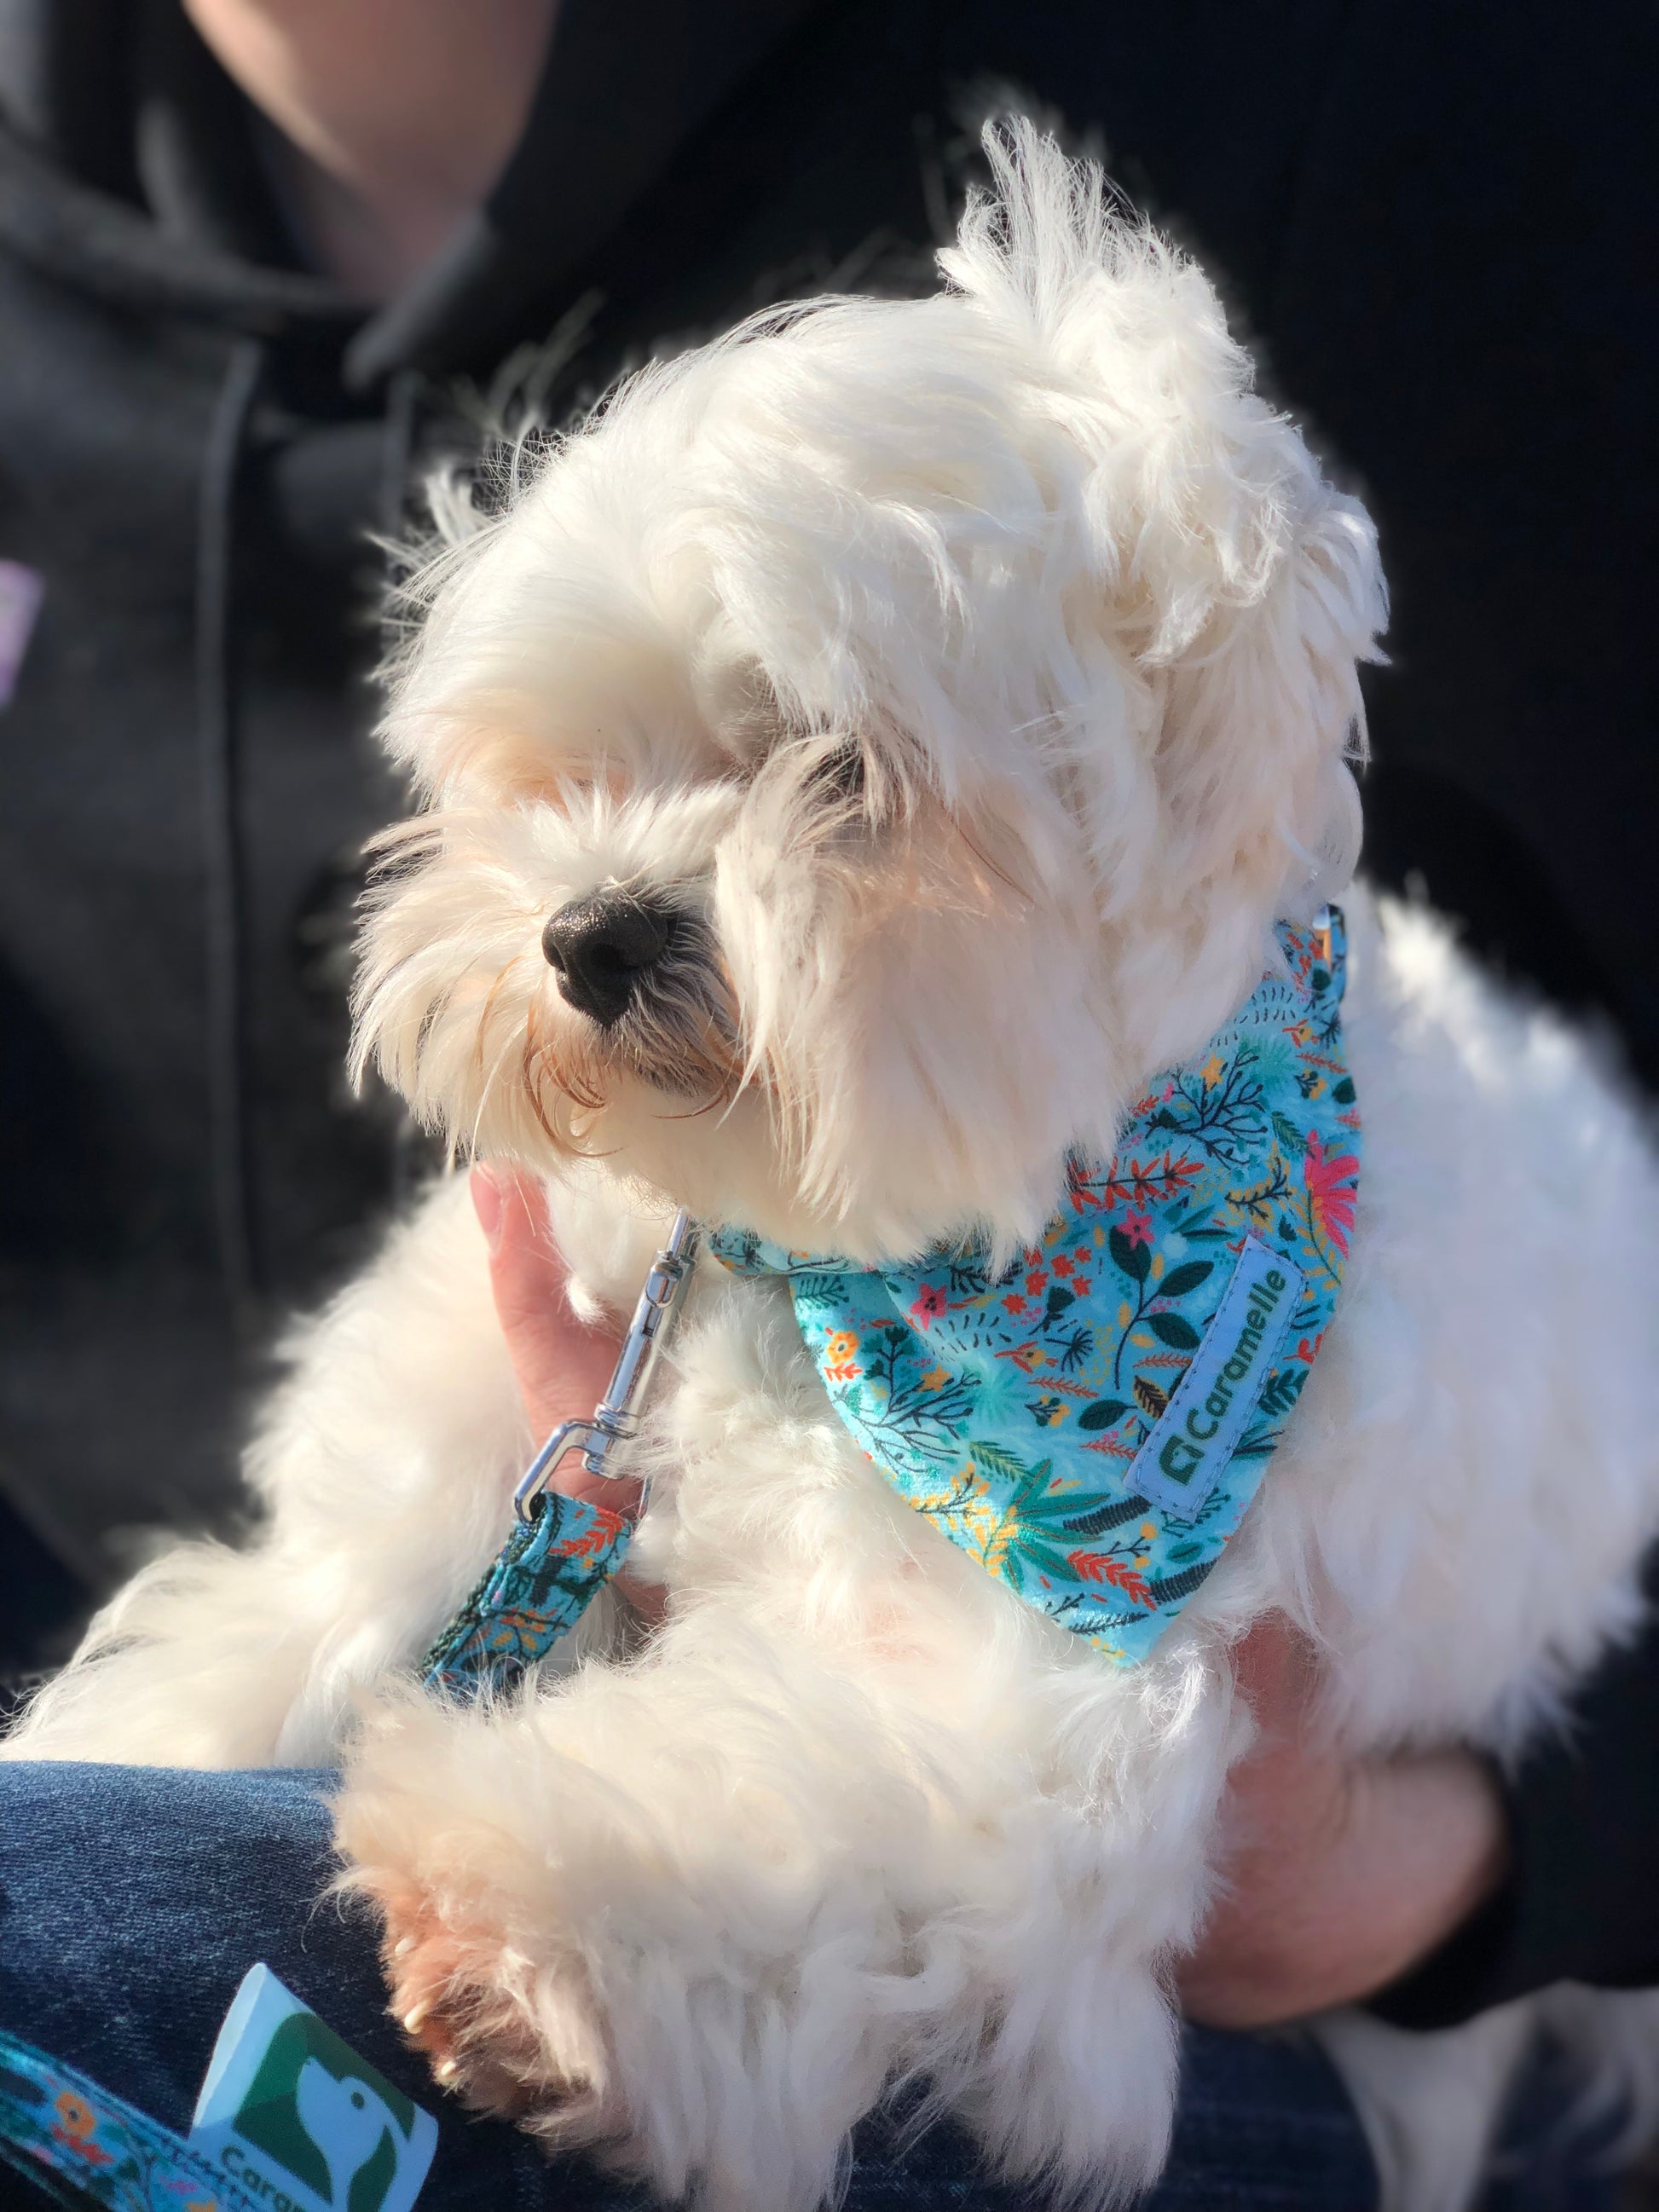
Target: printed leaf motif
{"x": 1170, "y": 1590}
{"x": 1102, "y": 1413}
{"x": 1282, "y": 1389}
{"x": 1090, "y": 1567}
{"x": 993, "y": 1459}
{"x": 1177, "y": 1333}
{"x": 1152, "y": 1401}
{"x": 1153, "y": 1184}
{"x": 1289, "y": 1135}
{"x": 1074, "y": 1348}
{"x": 1185, "y": 1278}
{"x": 1112, "y": 1516}
{"x": 1135, "y": 1259}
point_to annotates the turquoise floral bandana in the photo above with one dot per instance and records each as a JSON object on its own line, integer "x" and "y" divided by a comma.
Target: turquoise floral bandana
{"x": 1092, "y": 1425}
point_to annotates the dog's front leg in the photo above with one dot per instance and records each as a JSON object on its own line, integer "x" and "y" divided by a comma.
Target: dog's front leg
{"x": 700, "y": 1911}
{"x": 654, "y": 1908}
{"x": 1069, "y": 1857}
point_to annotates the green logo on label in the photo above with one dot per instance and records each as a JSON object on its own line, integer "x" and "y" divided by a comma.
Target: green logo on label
{"x": 298, "y": 2120}
{"x": 334, "y": 2123}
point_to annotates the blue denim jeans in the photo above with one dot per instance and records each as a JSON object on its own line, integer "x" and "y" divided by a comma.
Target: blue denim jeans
{"x": 133, "y": 1899}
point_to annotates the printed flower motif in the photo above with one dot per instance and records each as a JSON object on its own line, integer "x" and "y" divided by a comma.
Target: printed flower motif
{"x": 928, "y": 1303}
{"x": 1026, "y": 1356}
{"x": 76, "y": 2126}
{"x": 1330, "y": 1180}
{"x": 1136, "y": 1228}
{"x": 1062, "y": 1263}
{"x": 1037, "y": 1280}
{"x": 935, "y": 1378}
{"x": 1014, "y": 1303}
{"x": 840, "y": 1355}
{"x": 1213, "y": 1069}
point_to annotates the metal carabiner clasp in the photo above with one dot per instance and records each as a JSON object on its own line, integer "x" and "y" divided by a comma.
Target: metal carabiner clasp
{"x": 616, "y": 1416}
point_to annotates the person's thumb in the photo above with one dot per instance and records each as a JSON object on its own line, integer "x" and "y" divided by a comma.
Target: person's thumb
{"x": 563, "y": 1363}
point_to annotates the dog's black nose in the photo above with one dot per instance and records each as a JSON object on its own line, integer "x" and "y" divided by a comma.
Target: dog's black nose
{"x": 601, "y": 947}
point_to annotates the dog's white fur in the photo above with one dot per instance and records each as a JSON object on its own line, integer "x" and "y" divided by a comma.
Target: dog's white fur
{"x": 976, "y": 674}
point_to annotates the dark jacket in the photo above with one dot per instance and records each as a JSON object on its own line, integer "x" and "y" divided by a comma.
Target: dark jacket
{"x": 1431, "y": 218}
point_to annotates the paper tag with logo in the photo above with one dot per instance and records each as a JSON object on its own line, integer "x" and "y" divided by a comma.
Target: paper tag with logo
{"x": 1187, "y": 1450}
{"x": 298, "y": 2120}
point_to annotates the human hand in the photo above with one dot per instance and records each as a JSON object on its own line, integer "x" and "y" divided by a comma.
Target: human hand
{"x": 562, "y": 1363}
{"x": 1340, "y": 1875}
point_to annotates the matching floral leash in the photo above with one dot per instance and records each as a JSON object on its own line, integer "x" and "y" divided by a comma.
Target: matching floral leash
{"x": 564, "y": 1550}
{"x": 1092, "y": 1424}
{"x": 80, "y": 2144}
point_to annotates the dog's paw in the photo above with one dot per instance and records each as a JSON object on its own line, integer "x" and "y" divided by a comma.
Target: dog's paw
{"x": 506, "y": 2034}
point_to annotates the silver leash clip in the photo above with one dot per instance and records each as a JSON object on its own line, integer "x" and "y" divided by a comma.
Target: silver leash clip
{"x": 616, "y": 1416}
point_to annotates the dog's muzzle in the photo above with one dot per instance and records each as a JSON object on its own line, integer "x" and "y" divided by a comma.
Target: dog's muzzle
{"x": 603, "y": 949}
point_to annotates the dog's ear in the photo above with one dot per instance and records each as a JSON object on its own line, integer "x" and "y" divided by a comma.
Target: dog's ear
{"x": 1237, "y": 586}
{"x": 1261, "y": 711}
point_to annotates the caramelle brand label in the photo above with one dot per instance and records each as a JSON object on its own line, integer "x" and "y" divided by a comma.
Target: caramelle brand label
{"x": 298, "y": 2121}
{"x": 1188, "y": 1447}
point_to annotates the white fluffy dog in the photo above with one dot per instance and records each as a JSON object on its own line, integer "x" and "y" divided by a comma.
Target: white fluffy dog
{"x": 967, "y": 686}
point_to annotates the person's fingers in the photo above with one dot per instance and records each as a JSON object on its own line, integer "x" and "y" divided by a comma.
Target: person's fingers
{"x": 1276, "y": 1669}
{"x": 1337, "y": 1875}
{"x": 562, "y": 1363}
{"x": 1370, "y": 1870}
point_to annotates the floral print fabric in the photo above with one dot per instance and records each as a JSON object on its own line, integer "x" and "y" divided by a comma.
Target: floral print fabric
{"x": 539, "y": 1586}
{"x": 1092, "y": 1425}
{"x": 57, "y": 2124}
